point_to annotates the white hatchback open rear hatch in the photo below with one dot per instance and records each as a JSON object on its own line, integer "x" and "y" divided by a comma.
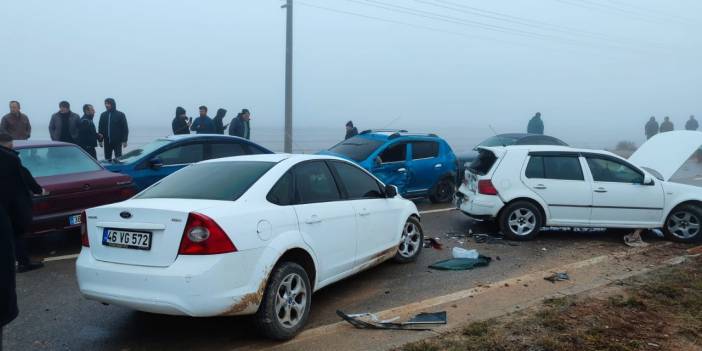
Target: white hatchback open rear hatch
{"x": 667, "y": 152}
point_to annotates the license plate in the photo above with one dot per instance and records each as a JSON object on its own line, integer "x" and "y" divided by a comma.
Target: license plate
{"x": 74, "y": 220}
{"x": 126, "y": 239}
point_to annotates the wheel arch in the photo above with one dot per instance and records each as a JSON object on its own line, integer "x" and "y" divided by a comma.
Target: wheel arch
{"x": 538, "y": 205}
{"x": 303, "y": 258}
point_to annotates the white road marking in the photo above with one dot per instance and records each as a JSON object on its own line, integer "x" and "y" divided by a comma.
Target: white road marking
{"x": 60, "y": 258}
{"x": 438, "y": 210}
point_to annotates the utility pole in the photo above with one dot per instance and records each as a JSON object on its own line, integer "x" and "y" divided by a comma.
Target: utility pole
{"x": 288, "y": 76}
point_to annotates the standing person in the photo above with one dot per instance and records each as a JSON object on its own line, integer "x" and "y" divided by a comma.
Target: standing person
{"x": 692, "y": 123}
{"x": 114, "y": 129}
{"x": 351, "y": 131}
{"x": 16, "y": 123}
{"x": 16, "y": 187}
{"x": 651, "y": 127}
{"x": 64, "y": 124}
{"x": 240, "y": 125}
{"x": 667, "y": 125}
{"x": 203, "y": 124}
{"x": 218, "y": 121}
{"x": 181, "y": 122}
{"x": 536, "y": 125}
{"x": 8, "y": 180}
{"x": 88, "y": 136}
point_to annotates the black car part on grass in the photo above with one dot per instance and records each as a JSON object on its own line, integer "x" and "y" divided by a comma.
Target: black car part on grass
{"x": 415, "y": 323}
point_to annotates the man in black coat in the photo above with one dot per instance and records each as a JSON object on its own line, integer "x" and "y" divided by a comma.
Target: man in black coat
{"x": 88, "y": 136}
{"x": 240, "y": 126}
{"x": 651, "y": 127}
{"x": 114, "y": 129}
{"x": 16, "y": 183}
{"x": 181, "y": 123}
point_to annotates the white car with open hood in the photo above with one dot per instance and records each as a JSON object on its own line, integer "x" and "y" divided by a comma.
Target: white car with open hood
{"x": 245, "y": 235}
{"x": 525, "y": 188}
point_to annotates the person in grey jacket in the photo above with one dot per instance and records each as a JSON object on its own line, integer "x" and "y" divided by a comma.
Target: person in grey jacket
{"x": 64, "y": 124}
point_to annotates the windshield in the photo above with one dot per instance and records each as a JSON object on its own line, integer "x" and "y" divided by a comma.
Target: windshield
{"x": 356, "y": 148}
{"x": 498, "y": 141}
{"x": 138, "y": 153}
{"x": 209, "y": 181}
{"x": 57, "y": 160}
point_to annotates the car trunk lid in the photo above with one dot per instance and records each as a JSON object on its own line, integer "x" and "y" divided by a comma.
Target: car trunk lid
{"x": 163, "y": 219}
{"x": 667, "y": 152}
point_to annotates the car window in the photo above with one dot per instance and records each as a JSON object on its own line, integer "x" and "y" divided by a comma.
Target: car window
{"x": 482, "y": 164}
{"x": 611, "y": 171}
{"x": 424, "y": 149}
{"x": 142, "y": 151}
{"x": 357, "y": 148}
{"x": 57, "y": 160}
{"x": 282, "y": 192}
{"x": 314, "y": 183}
{"x": 555, "y": 167}
{"x": 358, "y": 184}
{"x": 395, "y": 153}
{"x": 209, "y": 181}
{"x": 255, "y": 150}
{"x": 220, "y": 150}
{"x": 184, "y": 154}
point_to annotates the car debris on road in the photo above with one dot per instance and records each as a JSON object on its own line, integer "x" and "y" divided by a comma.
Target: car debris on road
{"x": 461, "y": 264}
{"x": 557, "y": 277}
{"x": 371, "y": 321}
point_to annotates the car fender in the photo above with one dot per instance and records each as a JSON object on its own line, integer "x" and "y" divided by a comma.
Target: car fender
{"x": 512, "y": 193}
{"x": 285, "y": 242}
{"x": 677, "y": 194}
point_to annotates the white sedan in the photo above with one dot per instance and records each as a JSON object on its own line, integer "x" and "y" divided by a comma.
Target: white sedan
{"x": 245, "y": 235}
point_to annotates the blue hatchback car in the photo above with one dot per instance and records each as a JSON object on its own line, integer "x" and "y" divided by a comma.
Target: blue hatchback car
{"x": 158, "y": 159}
{"x": 420, "y": 165}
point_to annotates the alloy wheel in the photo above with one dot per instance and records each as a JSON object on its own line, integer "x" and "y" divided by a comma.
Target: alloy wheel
{"x": 291, "y": 300}
{"x": 410, "y": 241}
{"x": 684, "y": 224}
{"x": 522, "y": 221}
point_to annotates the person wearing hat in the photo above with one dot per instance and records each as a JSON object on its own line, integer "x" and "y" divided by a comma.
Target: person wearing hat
{"x": 240, "y": 125}
{"x": 351, "y": 131}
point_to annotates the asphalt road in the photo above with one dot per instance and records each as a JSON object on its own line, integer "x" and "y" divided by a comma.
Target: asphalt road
{"x": 54, "y": 316}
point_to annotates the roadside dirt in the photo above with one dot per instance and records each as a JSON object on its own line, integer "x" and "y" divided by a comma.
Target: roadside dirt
{"x": 659, "y": 310}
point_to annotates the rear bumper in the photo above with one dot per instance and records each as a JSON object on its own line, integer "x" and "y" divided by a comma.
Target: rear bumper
{"x": 198, "y": 286}
{"x": 476, "y": 205}
{"x": 52, "y": 222}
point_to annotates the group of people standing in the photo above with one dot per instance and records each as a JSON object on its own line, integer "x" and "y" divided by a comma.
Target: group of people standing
{"x": 65, "y": 125}
{"x": 652, "y": 128}
{"x": 239, "y": 126}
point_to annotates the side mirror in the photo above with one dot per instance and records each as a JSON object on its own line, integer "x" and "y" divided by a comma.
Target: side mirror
{"x": 390, "y": 191}
{"x": 155, "y": 163}
{"x": 648, "y": 180}
{"x": 377, "y": 161}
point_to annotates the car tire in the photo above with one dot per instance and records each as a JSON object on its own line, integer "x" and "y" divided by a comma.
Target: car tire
{"x": 684, "y": 224}
{"x": 443, "y": 191}
{"x": 411, "y": 241}
{"x": 521, "y": 220}
{"x": 287, "y": 290}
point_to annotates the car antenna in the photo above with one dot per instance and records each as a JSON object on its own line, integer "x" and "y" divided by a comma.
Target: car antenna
{"x": 391, "y": 122}
{"x": 497, "y": 135}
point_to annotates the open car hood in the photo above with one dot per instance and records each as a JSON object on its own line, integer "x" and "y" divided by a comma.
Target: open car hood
{"x": 667, "y": 152}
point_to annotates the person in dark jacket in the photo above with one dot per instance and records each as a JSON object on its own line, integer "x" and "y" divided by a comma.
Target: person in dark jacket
{"x": 218, "y": 121}
{"x": 240, "y": 125}
{"x": 64, "y": 124}
{"x": 351, "y": 131}
{"x": 536, "y": 125}
{"x": 114, "y": 129}
{"x": 9, "y": 180}
{"x": 667, "y": 125}
{"x": 651, "y": 128}
{"x": 181, "y": 122}
{"x": 203, "y": 124}
{"x": 88, "y": 136}
{"x": 692, "y": 124}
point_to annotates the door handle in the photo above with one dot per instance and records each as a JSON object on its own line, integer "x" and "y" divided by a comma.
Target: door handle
{"x": 313, "y": 219}
{"x": 363, "y": 212}
{"x": 402, "y": 170}
{"x": 600, "y": 190}
{"x": 438, "y": 165}
{"x": 540, "y": 186}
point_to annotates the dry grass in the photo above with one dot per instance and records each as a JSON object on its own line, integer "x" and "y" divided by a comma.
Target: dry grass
{"x": 659, "y": 311}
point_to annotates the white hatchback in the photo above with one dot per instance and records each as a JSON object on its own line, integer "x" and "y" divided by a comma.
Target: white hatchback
{"x": 526, "y": 187}
{"x": 245, "y": 235}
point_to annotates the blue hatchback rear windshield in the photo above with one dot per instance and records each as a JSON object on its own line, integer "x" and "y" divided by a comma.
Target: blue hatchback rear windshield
{"x": 357, "y": 148}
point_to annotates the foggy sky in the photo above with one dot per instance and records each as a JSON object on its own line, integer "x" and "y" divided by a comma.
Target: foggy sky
{"x": 152, "y": 56}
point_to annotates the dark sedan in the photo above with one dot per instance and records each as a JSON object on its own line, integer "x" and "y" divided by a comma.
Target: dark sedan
{"x": 74, "y": 180}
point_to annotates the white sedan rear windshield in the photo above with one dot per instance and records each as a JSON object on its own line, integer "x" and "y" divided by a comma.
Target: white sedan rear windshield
{"x": 57, "y": 160}
{"x": 209, "y": 181}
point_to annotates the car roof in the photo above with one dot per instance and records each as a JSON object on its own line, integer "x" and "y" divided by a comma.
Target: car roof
{"x": 25, "y": 144}
{"x": 276, "y": 158}
{"x": 395, "y": 134}
{"x": 548, "y": 148}
{"x": 201, "y": 136}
